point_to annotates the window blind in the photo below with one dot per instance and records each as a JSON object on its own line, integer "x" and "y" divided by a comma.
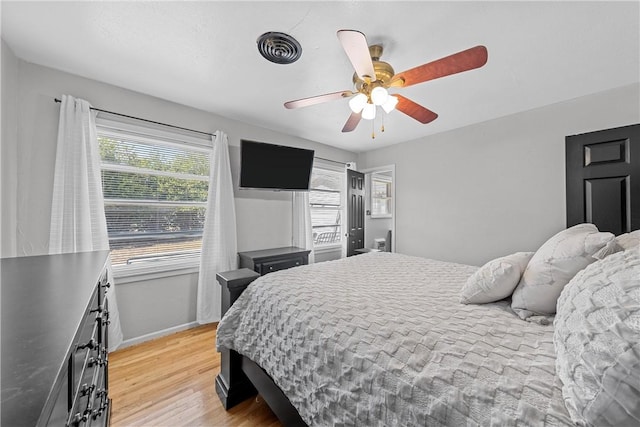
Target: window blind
{"x": 155, "y": 194}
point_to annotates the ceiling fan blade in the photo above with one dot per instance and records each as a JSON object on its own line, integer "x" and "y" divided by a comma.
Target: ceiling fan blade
{"x": 466, "y": 60}
{"x": 355, "y": 46}
{"x": 352, "y": 122}
{"x": 305, "y": 102}
{"x": 415, "y": 111}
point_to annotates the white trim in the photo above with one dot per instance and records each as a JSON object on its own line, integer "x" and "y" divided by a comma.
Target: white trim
{"x": 154, "y": 270}
{"x": 158, "y": 334}
{"x": 328, "y": 248}
{"x": 381, "y": 216}
{"x": 329, "y": 165}
{"x": 152, "y": 134}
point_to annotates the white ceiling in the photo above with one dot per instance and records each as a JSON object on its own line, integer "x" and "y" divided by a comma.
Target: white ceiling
{"x": 203, "y": 54}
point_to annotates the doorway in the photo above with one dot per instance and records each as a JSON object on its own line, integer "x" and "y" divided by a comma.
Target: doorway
{"x": 603, "y": 179}
{"x": 355, "y": 211}
{"x": 380, "y": 203}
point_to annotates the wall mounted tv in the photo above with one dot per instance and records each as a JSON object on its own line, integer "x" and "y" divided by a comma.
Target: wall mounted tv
{"x": 274, "y": 167}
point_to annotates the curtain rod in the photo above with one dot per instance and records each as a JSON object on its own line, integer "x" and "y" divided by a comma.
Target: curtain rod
{"x": 175, "y": 127}
{"x": 144, "y": 120}
{"x": 329, "y": 160}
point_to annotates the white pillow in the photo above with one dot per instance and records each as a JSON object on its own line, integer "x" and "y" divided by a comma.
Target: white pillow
{"x": 553, "y": 265}
{"x": 629, "y": 240}
{"x": 609, "y": 249}
{"x": 597, "y": 341}
{"x": 495, "y": 280}
{"x": 622, "y": 242}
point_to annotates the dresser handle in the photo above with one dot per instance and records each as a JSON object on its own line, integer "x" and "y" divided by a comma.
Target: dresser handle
{"x": 91, "y": 345}
{"x": 103, "y": 318}
{"x": 78, "y": 418}
{"x": 100, "y": 361}
{"x": 86, "y": 389}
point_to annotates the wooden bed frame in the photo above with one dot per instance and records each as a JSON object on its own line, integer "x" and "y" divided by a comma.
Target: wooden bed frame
{"x": 240, "y": 377}
{"x": 614, "y": 168}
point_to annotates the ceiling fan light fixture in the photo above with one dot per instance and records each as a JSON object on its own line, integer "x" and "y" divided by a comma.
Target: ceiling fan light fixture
{"x": 390, "y": 104}
{"x": 358, "y": 102}
{"x": 379, "y": 95}
{"x": 369, "y": 112}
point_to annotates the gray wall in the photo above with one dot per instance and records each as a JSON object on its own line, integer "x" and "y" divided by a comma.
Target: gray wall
{"x": 28, "y": 143}
{"x": 8, "y": 150}
{"x": 475, "y": 193}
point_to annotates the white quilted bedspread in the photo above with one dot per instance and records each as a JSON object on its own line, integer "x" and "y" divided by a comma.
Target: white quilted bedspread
{"x": 381, "y": 340}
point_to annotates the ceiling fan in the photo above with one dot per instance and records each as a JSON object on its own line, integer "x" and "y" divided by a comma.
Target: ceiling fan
{"x": 373, "y": 78}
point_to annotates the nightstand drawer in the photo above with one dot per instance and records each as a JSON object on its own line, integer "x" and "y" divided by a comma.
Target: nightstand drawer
{"x": 270, "y": 260}
{"x": 270, "y": 267}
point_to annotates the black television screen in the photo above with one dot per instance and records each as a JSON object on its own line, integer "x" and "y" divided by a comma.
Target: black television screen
{"x": 275, "y": 167}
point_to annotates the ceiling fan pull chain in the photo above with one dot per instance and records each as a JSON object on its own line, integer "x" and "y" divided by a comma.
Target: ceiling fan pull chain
{"x": 382, "y": 127}
{"x": 373, "y": 129}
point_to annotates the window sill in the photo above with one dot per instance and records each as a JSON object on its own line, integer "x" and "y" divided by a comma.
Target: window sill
{"x": 138, "y": 273}
{"x": 327, "y": 248}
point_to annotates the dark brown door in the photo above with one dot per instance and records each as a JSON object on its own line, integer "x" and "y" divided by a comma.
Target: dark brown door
{"x": 355, "y": 209}
{"x": 603, "y": 179}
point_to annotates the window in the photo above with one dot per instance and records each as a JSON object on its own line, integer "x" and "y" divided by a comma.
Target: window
{"x": 155, "y": 193}
{"x": 325, "y": 197}
{"x": 380, "y": 196}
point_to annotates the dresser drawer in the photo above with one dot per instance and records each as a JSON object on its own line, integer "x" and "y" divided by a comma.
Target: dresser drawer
{"x": 88, "y": 392}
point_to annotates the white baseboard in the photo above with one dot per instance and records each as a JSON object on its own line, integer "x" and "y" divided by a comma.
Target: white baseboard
{"x": 148, "y": 337}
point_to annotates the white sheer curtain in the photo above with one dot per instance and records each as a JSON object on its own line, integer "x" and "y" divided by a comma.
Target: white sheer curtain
{"x": 78, "y": 223}
{"x": 302, "y": 230}
{"x": 219, "y": 240}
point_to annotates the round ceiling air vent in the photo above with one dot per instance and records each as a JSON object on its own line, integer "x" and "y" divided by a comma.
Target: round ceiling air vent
{"x": 279, "y": 48}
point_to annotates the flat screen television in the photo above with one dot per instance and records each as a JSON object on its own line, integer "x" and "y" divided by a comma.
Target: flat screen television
{"x": 274, "y": 167}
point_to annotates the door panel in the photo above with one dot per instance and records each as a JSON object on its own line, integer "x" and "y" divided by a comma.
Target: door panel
{"x": 603, "y": 179}
{"x": 355, "y": 207}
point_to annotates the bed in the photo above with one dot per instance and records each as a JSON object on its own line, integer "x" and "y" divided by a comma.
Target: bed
{"x": 383, "y": 339}
{"x": 392, "y": 345}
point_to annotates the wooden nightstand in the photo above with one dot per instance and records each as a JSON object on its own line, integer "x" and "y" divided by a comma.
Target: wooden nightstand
{"x": 270, "y": 260}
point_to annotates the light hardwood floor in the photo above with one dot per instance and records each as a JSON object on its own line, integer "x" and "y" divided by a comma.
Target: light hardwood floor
{"x": 170, "y": 382}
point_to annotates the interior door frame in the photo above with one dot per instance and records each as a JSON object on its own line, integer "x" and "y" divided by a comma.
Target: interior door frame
{"x": 367, "y": 197}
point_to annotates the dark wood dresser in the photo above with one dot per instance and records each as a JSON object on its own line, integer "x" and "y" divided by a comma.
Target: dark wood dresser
{"x": 54, "y": 340}
{"x": 270, "y": 260}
